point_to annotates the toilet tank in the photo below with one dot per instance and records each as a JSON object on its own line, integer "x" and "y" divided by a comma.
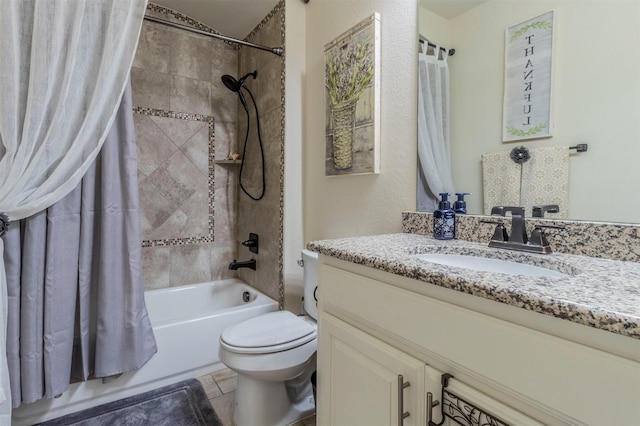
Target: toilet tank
{"x": 310, "y": 282}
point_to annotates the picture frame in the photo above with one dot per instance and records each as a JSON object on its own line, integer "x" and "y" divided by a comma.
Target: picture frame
{"x": 528, "y": 79}
{"x": 352, "y": 100}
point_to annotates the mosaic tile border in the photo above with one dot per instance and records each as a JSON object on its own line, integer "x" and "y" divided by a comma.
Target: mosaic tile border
{"x": 184, "y": 19}
{"x": 266, "y": 19}
{"x": 152, "y": 112}
{"x": 279, "y": 7}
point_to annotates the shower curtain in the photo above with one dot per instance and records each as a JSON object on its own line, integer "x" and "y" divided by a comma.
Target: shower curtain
{"x": 63, "y": 69}
{"x": 74, "y": 279}
{"x": 434, "y": 156}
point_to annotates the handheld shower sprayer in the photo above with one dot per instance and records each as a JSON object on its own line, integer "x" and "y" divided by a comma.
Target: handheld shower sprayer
{"x": 236, "y": 86}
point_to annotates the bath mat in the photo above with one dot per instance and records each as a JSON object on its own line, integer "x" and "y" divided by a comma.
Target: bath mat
{"x": 181, "y": 404}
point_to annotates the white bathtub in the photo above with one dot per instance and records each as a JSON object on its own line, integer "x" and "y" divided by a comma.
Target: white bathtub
{"x": 187, "y": 322}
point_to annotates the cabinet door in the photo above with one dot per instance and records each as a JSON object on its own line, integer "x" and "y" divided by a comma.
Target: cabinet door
{"x": 358, "y": 379}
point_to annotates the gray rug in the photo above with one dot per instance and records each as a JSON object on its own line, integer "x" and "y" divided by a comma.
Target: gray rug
{"x": 181, "y": 404}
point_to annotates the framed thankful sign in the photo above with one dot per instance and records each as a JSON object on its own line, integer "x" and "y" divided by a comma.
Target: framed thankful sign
{"x": 527, "y": 107}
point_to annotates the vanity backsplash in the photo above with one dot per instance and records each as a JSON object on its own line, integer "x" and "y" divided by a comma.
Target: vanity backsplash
{"x": 614, "y": 241}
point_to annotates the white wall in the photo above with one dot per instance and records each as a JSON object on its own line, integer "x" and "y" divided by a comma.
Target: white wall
{"x": 342, "y": 206}
{"x": 596, "y": 98}
{"x": 434, "y": 27}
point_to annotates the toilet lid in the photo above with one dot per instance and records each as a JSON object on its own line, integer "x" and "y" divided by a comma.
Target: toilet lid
{"x": 272, "y": 332}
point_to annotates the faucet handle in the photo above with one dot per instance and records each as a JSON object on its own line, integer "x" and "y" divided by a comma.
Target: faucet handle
{"x": 538, "y": 238}
{"x": 500, "y": 233}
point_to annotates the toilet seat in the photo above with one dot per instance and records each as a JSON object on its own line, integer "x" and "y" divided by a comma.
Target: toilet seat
{"x": 273, "y": 332}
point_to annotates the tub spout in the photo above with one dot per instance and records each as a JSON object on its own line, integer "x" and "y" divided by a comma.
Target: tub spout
{"x": 246, "y": 264}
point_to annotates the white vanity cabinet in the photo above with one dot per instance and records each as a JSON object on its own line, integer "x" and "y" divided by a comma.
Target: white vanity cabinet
{"x": 374, "y": 326}
{"x": 368, "y": 382}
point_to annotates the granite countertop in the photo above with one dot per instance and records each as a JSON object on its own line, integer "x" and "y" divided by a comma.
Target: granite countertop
{"x": 599, "y": 293}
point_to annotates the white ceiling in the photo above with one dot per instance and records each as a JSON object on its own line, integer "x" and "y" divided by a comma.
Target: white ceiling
{"x": 233, "y": 18}
{"x": 449, "y": 9}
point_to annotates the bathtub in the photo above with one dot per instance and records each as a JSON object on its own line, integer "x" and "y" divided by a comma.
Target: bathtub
{"x": 187, "y": 322}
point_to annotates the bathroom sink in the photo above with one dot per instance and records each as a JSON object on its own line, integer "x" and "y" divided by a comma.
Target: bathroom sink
{"x": 484, "y": 264}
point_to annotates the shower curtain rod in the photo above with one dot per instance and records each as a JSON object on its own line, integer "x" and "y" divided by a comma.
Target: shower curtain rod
{"x": 444, "y": 49}
{"x": 275, "y": 50}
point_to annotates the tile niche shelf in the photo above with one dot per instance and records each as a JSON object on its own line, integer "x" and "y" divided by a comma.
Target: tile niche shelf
{"x": 227, "y": 162}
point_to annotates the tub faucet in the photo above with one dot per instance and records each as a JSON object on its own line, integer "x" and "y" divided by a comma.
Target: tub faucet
{"x": 246, "y": 264}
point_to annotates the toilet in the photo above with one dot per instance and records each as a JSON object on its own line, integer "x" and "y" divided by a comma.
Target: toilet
{"x": 274, "y": 355}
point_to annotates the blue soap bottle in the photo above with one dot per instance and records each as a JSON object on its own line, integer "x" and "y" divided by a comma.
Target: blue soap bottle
{"x": 460, "y": 206}
{"x": 444, "y": 220}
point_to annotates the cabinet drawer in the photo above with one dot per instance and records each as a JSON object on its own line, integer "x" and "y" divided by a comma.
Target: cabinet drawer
{"x": 572, "y": 382}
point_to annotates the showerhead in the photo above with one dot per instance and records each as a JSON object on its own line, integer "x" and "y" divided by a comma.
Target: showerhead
{"x": 235, "y": 85}
{"x": 231, "y": 83}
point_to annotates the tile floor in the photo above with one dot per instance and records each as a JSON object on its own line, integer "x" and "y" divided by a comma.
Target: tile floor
{"x": 220, "y": 387}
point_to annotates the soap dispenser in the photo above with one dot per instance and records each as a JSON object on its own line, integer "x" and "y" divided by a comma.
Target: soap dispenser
{"x": 460, "y": 206}
{"x": 444, "y": 220}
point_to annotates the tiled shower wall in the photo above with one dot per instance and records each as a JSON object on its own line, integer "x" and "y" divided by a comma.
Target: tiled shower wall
{"x": 264, "y": 217}
{"x": 185, "y": 118}
{"x": 194, "y": 217}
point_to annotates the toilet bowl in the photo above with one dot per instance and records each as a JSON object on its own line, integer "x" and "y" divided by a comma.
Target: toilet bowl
{"x": 274, "y": 355}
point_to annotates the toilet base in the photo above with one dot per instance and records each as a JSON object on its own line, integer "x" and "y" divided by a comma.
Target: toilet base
{"x": 267, "y": 403}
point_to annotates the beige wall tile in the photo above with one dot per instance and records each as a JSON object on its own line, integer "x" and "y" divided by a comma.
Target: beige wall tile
{"x": 190, "y": 264}
{"x": 155, "y": 208}
{"x": 155, "y": 267}
{"x": 150, "y": 89}
{"x": 153, "y": 145}
{"x": 153, "y": 48}
{"x": 177, "y": 129}
{"x": 196, "y": 149}
{"x": 178, "y": 179}
{"x": 189, "y": 95}
{"x": 190, "y": 56}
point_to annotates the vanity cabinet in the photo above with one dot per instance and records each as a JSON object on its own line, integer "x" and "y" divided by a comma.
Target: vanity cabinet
{"x": 374, "y": 326}
{"x": 368, "y": 381}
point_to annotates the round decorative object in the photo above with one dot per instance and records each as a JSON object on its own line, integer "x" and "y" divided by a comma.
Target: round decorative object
{"x": 4, "y": 223}
{"x": 520, "y": 154}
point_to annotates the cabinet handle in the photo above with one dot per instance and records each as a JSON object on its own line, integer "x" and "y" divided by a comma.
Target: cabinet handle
{"x": 430, "y": 404}
{"x": 401, "y": 386}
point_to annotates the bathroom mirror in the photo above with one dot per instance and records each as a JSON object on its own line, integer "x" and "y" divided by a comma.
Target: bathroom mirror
{"x": 595, "y": 95}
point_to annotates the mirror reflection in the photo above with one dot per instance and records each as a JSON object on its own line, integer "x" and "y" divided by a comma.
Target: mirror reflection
{"x": 595, "y": 100}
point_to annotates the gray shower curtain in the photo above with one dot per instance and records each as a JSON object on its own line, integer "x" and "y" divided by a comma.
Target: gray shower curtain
{"x": 74, "y": 279}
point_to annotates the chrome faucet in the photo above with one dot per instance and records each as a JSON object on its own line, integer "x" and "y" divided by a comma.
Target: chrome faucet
{"x": 518, "y": 239}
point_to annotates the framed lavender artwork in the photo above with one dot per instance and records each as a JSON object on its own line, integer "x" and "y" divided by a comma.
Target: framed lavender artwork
{"x": 352, "y": 99}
